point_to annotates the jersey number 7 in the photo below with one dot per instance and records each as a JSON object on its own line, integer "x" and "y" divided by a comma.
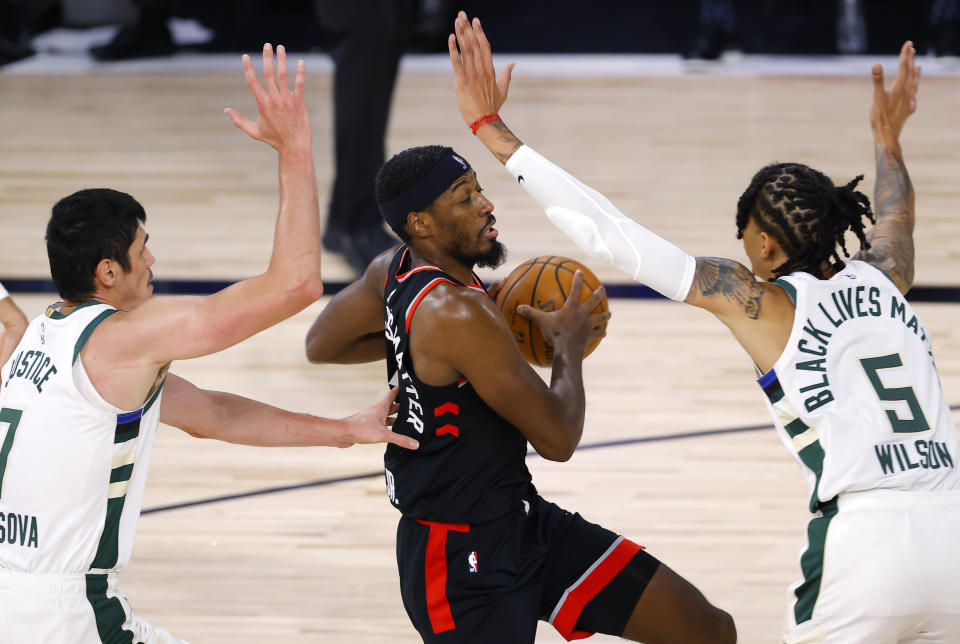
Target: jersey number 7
{"x": 10, "y": 418}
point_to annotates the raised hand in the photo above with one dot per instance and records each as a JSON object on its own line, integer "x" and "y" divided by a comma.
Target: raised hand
{"x": 573, "y": 322}
{"x": 478, "y": 88}
{"x": 891, "y": 109}
{"x": 283, "y": 115}
{"x": 373, "y": 425}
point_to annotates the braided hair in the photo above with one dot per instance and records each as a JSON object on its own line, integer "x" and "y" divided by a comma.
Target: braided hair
{"x": 802, "y": 209}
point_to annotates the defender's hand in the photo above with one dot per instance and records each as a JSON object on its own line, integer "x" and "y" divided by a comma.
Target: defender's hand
{"x": 283, "y": 115}
{"x": 373, "y": 425}
{"x": 572, "y": 322}
{"x": 891, "y": 109}
{"x": 478, "y": 88}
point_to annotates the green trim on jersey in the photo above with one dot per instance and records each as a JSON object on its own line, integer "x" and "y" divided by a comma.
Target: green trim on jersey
{"x": 85, "y": 335}
{"x": 812, "y": 456}
{"x": 108, "y": 611}
{"x": 122, "y": 473}
{"x": 109, "y": 547}
{"x": 153, "y": 398}
{"x": 811, "y": 563}
{"x": 788, "y": 287}
{"x": 54, "y": 314}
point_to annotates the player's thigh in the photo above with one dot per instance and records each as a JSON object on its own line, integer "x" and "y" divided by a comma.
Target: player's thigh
{"x": 672, "y": 610}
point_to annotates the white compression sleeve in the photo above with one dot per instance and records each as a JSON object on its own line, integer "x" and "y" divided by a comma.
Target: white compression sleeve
{"x": 602, "y": 231}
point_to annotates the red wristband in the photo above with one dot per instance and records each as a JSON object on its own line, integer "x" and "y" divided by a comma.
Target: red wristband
{"x": 483, "y": 119}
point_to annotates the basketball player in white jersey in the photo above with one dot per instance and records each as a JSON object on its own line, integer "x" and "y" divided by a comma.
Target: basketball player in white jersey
{"x": 12, "y": 325}
{"x": 87, "y": 385}
{"x": 845, "y": 364}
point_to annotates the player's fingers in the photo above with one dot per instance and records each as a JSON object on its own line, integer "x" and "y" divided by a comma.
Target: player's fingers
{"x": 454, "y": 54}
{"x": 250, "y": 76}
{"x": 301, "y": 79}
{"x": 600, "y": 319}
{"x": 878, "y": 91}
{"x": 503, "y": 81}
{"x": 576, "y": 287}
{"x": 269, "y": 78}
{"x": 282, "y": 82}
{"x": 400, "y": 440}
{"x": 529, "y": 312}
{"x": 906, "y": 59}
{"x": 481, "y": 38}
{"x": 388, "y": 401}
{"x": 595, "y": 298}
{"x": 244, "y": 124}
{"x": 464, "y": 34}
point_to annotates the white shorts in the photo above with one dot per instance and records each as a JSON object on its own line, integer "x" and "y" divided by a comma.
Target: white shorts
{"x": 880, "y": 567}
{"x": 70, "y": 609}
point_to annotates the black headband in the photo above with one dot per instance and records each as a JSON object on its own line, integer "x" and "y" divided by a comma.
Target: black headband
{"x": 450, "y": 168}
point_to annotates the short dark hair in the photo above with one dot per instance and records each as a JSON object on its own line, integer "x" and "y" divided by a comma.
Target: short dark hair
{"x": 405, "y": 170}
{"x": 84, "y": 228}
{"x": 807, "y": 215}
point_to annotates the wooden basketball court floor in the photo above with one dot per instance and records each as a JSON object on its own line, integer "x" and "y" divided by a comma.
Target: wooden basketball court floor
{"x": 316, "y": 563}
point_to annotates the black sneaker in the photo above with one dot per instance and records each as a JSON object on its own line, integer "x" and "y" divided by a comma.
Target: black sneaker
{"x": 136, "y": 41}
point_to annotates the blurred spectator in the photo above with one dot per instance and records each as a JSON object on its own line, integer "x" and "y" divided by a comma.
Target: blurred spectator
{"x": 717, "y": 29}
{"x": 367, "y": 40}
{"x": 945, "y": 27}
{"x": 147, "y": 36}
{"x": 14, "y": 31}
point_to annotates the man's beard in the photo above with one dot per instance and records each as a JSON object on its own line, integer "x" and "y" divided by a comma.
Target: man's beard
{"x": 493, "y": 257}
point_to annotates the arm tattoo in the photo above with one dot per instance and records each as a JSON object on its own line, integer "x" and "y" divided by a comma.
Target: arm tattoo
{"x": 508, "y": 142}
{"x": 891, "y": 239}
{"x": 727, "y": 279}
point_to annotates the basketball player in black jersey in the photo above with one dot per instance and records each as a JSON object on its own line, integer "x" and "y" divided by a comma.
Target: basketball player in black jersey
{"x": 481, "y": 555}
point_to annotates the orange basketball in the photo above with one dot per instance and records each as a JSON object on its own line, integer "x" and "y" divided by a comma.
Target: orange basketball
{"x": 543, "y": 283}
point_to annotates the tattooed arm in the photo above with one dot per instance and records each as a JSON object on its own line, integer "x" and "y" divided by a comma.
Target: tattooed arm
{"x": 891, "y": 239}
{"x": 760, "y": 314}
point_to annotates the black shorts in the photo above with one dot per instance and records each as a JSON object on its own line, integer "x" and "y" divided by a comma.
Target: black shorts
{"x": 492, "y": 582}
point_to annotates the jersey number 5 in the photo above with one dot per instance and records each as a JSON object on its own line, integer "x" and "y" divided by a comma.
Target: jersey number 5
{"x": 899, "y": 394}
{"x": 10, "y": 418}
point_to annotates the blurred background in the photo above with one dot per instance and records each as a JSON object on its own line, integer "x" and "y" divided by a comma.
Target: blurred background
{"x": 699, "y": 28}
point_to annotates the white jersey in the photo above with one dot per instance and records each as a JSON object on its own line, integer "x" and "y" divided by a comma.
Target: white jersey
{"x": 72, "y": 466}
{"x": 855, "y": 394}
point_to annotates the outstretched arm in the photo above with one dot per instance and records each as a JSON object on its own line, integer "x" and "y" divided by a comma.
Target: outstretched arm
{"x": 724, "y": 287}
{"x": 173, "y": 328}
{"x": 12, "y": 325}
{"x": 234, "y": 419}
{"x": 891, "y": 239}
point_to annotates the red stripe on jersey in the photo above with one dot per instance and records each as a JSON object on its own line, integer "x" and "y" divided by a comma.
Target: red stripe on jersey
{"x": 446, "y": 407}
{"x": 462, "y": 381}
{"x": 435, "y": 567}
{"x": 448, "y": 429}
{"x": 421, "y": 294}
{"x": 401, "y": 277}
{"x": 608, "y": 566}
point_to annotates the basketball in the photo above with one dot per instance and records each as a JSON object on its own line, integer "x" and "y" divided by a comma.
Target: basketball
{"x": 543, "y": 283}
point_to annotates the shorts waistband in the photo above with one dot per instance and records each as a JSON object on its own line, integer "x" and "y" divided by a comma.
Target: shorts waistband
{"x": 69, "y": 584}
{"x": 898, "y": 499}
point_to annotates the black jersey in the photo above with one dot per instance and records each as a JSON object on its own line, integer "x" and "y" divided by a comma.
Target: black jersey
{"x": 470, "y": 466}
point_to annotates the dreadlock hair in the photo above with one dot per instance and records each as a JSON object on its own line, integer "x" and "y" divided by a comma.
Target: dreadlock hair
{"x": 808, "y": 215}
{"x": 405, "y": 170}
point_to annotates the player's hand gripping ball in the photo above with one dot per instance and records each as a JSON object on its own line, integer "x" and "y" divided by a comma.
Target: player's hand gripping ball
{"x": 543, "y": 283}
